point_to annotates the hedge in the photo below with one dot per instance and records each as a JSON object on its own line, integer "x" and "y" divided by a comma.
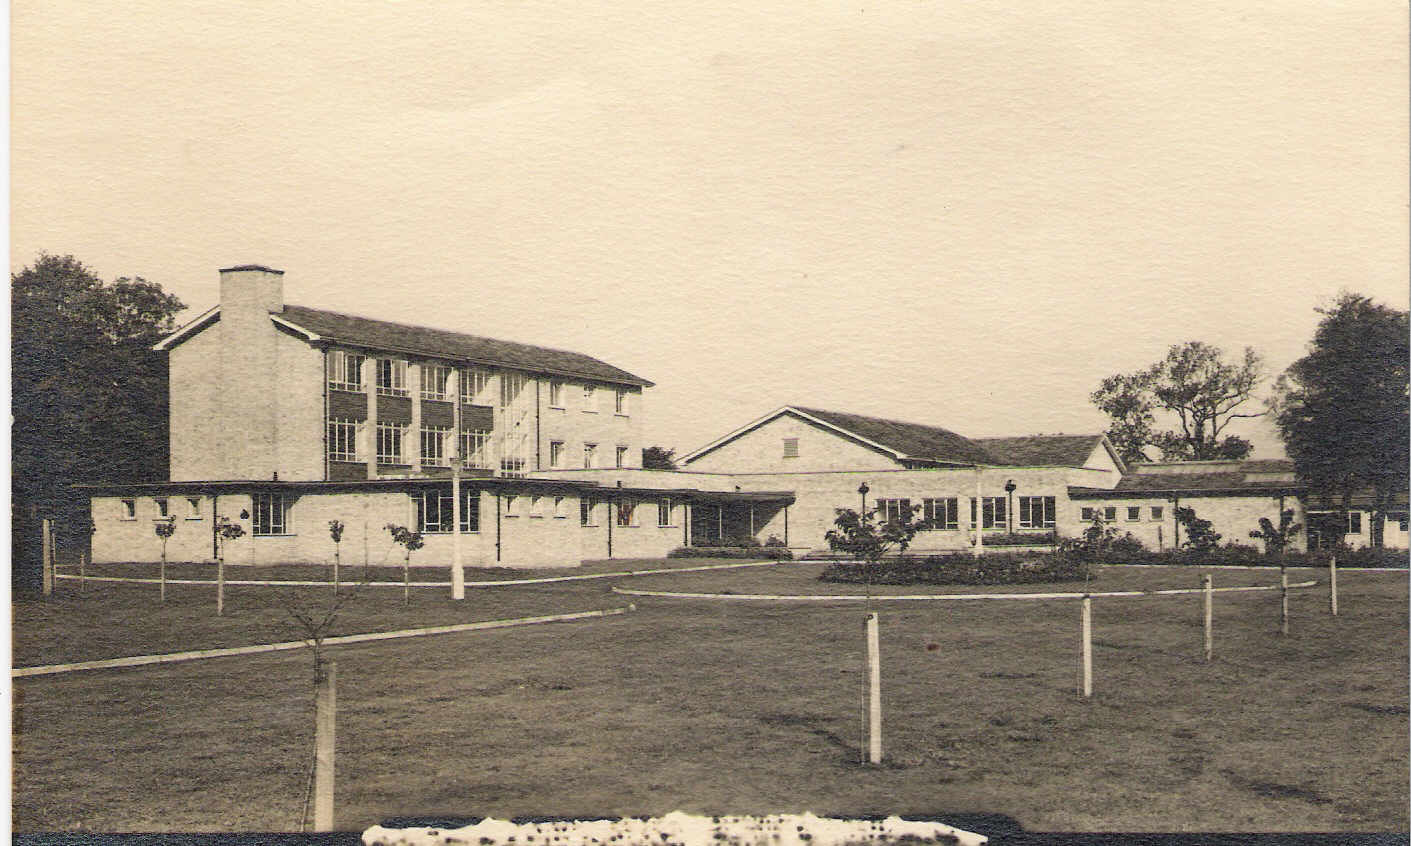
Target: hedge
{"x": 774, "y": 553}
{"x": 1248, "y": 556}
{"x": 962, "y": 569}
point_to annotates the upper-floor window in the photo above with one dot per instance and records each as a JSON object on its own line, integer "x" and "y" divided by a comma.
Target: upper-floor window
{"x": 664, "y": 512}
{"x": 556, "y": 394}
{"x": 590, "y": 399}
{"x": 475, "y": 448}
{"x": 556, "y": 454}
{"x": 433, "y": 446}
{"x": 590, "y": 456}
{"x": 1037, "y": 512}
{"x": 272, "y": 514}
{"x": 621, "y": 457}
{"x": 994, "y": 512}
{"x": 512, "y": 467}
{"x": 941, "y": 513}
{"x": 345, "y": 371}
{"x": 390, "y": 437}
{"x": 392, "y": 377}
{"x": 343, "y": 439}
{"x": 791, "y": 447}
{"x": 511, "y": 386}
{"x": 475, "y": 384}
{"x": 435, "y": 382}
{"x": 619, "y": 401}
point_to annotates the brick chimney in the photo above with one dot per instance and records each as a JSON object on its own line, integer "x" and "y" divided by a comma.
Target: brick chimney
{"x": 251, "y": 287}
{"x": 249, "y": 371}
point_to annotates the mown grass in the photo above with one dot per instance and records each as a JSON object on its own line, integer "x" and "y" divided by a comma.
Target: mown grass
{"x": 745, "y": 707}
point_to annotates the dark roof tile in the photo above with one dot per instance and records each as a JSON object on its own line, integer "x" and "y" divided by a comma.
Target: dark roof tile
{"x": 913, "y": 440}
{"x": 1042, "y": 450}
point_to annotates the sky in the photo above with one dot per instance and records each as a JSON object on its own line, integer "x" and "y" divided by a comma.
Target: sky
{"x": 962, "y": 214}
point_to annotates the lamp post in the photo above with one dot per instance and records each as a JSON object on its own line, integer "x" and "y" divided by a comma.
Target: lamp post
{"x": 1009, "y": 488}
{"x": 862, "y": 492}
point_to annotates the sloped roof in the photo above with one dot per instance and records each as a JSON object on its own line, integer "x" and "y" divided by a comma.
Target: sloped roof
{"x": 911, "y": 440}
{"x": 401, "y": 337}
{"x": 1042, "y": 450}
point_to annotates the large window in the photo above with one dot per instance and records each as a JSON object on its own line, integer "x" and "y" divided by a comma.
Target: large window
{"x": 475, "y": 448}
{"x": 891, "y": 510}
{"x": 941, "y": 514}
{"x": 345, "y": 371}
{"x": 664, "y": 512}
{"x": 390, "y": 438}
{"x": 343, "y": 439}
{"x": 435, "y": 511}
{"x": 994, "y": 512}
{"x": 511, "y": 385}
{"x": 475, "y": 382}
{"x": 434, "y": 440}
{"x": 392, "y": 377}
{"x": 272, "y": 514}
{"x": 435, "y": 382}
{"x": 1037, "y": 512}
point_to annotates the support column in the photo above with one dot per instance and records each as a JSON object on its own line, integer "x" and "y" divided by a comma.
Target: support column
{"x": 368, "y": 445}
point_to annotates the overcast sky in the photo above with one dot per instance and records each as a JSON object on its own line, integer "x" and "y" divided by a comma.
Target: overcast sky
{"x": 963, "y": 214}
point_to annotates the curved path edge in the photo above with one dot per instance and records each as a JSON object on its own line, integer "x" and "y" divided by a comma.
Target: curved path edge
{"x": 824, "y": 597}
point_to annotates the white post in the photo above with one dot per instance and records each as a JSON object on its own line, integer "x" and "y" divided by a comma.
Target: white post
{"x": 979, "y": 514}
{"x": 874, "y": 692}
{"x": 1087, "y": 646}
{"x": 1333, "y": 585}
{"x": 82, "y": 575}
{"x": 1208, "y": 585}
{"x": 46, "y": 566}
{"x": 220, "y": 581}
{"x": 457, "y": 567}
{"x": 1283, "y": 601}
{"x": 325, "y": 710}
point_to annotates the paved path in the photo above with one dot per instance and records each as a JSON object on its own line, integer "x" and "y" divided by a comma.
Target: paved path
{"x": 805, "y": 597}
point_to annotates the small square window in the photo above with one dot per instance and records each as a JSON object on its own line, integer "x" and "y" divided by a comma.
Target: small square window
{"x": 129, "y": 509}
{"x": 1134, "y": 513}
{"x": 1109, "y": 514}
{"x": 1158, "y": 512}
{"x": 1087, "y": 515}
{"x": 791, "y": 447}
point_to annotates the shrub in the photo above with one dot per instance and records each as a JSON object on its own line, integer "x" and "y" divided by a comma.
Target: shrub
{"x": 961, "y": 569}
{"x": 775, "y": 553}
{"x": 1022, "y": 539}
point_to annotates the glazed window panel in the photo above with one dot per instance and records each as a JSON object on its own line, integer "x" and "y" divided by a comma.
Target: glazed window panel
{"x": 392, "y": 377}
{"x": 1037, "y": 512}
{"x": 271, "y": 514}
{"x": 389, "y": 442}
{"x": 435, "y": 382}
{"x": 343, "y": 439}
{"x": 345, "y": 371}
{"x": 942, "y": 513}
{"x": 433, "y": 446}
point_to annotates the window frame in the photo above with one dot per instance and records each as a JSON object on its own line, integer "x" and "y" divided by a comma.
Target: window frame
{"x": 590, "y": 402}
{"x": 434, "y": 436}
{"x": 193, "y": 504}
{"x": 1109, "y": 514}
{"x": 664, "y": 512}
{"x": 560, "y": 508}
{"x": 587, "y": 512}
{"x": 1087, "y": 513}
{"x": 625, "y": 512}
{"x": 163, "y": 507}
{"x": 347, "y": 364}
{"x": 475, "y": 381}
{"x": 620, "y": 457}
{"x": 129, "y": 508}
{"x": 997, "y": 518}
{"x": 399, "y": 431}
{"x": 556, "y": 393}
{"x": 949, "y": 511}
{"x": 512, "y": 385}
{"x": 791, "y": 448}
{"x": 335, "y": 425}
{"x": 619, "y": 402}
{"x": 886, "y": 506}
{"x": 1047, "y": 512}
{"x": 264, "y": 508}
{"x": 557, "y": 451}
{"x": 1158, "y": 513}
{"x": 396, "y": 381}
{"x": 536, "y": 506}
{"x": 438, "y": 373}
{"x": 445, "y": 511}
{"x": 475, "y": 448}
{"x": 590, "y": 456}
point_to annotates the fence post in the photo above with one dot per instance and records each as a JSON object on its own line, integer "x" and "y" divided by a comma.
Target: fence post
{"x": 82, "y": 574}
{"x": 1087, "y": 648}
{"x": 1283, "y": 601}
{"x": 325, "y": 709}
{"x": 874, "y": 692}
{"x": 220, "y": 585}
{"x": 1333, "y": 585}
{"x": 1208, "y": 585}
{"x": 47, "y": 552}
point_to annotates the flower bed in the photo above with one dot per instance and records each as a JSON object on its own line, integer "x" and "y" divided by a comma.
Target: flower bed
{"x": 962, "y": 569}
{"x": 776, "y": 553}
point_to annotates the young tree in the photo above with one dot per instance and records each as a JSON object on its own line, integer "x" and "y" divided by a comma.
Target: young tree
{"x": 1276, "y": 539}
{"x": 410, "y": 542}
{"x": 658, "y": 458}
{"x": 1342, "y": 409}
{"x": 88, "y": 394}
{"x": 164, "y": 529}
{"x": 227, "y": 530}
{"x": 1194, "y": 386}
{"x": 865, "y": 537}
{"x": 335, "y": 531}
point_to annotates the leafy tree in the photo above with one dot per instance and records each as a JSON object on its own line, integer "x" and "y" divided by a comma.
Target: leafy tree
{"x": 410, "y": 542}
{"x": 335, "y": 531}
{"x": 1342, "y": 409}
{"x": 1276, "y": 540}
{"x": 164, "y": 529}
{"x": 658, "y": 458}
{"x": 1193, "y": 386}
{"x": 866, "y": 538}
{"x": 1199, "y": 537}
{"x": 88, "y": 394}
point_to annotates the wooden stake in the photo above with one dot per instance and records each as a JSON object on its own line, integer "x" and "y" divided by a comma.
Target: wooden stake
{"x": 220, "y": 585}
{"x": 874, "y": 693}
{"x": 406, "y": 584}
{"x": 47, "y": 551}
{"x": 1087, "y": 646}
{"x": 325, "y": 710}
{"x": 1333, "y": 585}
{"x": 1283, "y": 601}
{"x": 82, "y": 576}
{"x": 1208, "y": 585}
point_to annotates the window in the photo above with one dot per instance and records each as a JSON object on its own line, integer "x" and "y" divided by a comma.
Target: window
{"x": 392, "y": 377}
{"x": 560, "y": 507}
{"x": 891, "y": 510}
{"x": 941, "y": 514}
{"x": 556, "y": 394}
{"x": 129, "y": 509}
{"x": 435, "y": 382}
{"x": 433, "y": 446}
{"x": 1088, "y": 514}
{"x": 586, "y": 508}
{"x": 994, "y": 512}
{"x": 590, "y": 400}
{"x": 556, "y": 454}
{"x": 162, "y": 511}
{"x": 621, "y": 457}
{"x": 1354, "y": 522}
{"x": 1157, "y": 512}
{"x": 1402, "y": 521}
{"x": 626, "y": 512}
{"x": 791, "y": 447}
{"x": 511, "y": 506}
{"x": 619, "y": 402}
{"x": 1037, "y": 512}
{"x": 475, "y": 448}
{"x": 590, "y": 456}
{"x": 193, "y": 506}
{"x": 512, "y": 467}
{"x": 272, "y": 514}
{"x": 664, "y": 512}
{"x": 511, "y": 386}
{"x": 1109, "y": 514}
{"x": 536, "y": 506}
{"x": 474, "y": 383}
{"x": 389, "y": 442}
{"x": 435, "y": 511}
{"x": 345, "y": 371}
{"x": 343, "y": 439}
{"x": 1134, "y": 513}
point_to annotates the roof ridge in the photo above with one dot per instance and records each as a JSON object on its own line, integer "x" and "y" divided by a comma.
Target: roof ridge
{"x": 436, "y": 329}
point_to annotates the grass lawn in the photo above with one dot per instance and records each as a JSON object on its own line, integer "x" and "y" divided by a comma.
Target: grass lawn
{"x": 739, "y": 707}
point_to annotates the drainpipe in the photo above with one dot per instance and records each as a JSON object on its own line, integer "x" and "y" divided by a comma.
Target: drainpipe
{"x": 979, "y": 513}
{"x": 538, "y": 465}
{"x": 685, "y": 523}
{"x": 786, "y": 525}
{"x": 612, "y": 517}
{"x": 497, "y": 525}
{"x": 215, "y": 533}
{"x": 1176, "y": 521}
{"x": 326, "y": 465}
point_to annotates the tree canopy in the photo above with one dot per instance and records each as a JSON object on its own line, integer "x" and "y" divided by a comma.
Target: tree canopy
{"x": 1193, "y": 387}
{"x": 88, "y": 394}
{"x": 1342, "y": 409}
{"x": 658, "y": 458}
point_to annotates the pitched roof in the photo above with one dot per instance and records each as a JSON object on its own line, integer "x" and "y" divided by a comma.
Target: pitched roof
{"x": 1042, "y": 450}
{"x": 401, "y": 337}
{"x": 909, "y": 440}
